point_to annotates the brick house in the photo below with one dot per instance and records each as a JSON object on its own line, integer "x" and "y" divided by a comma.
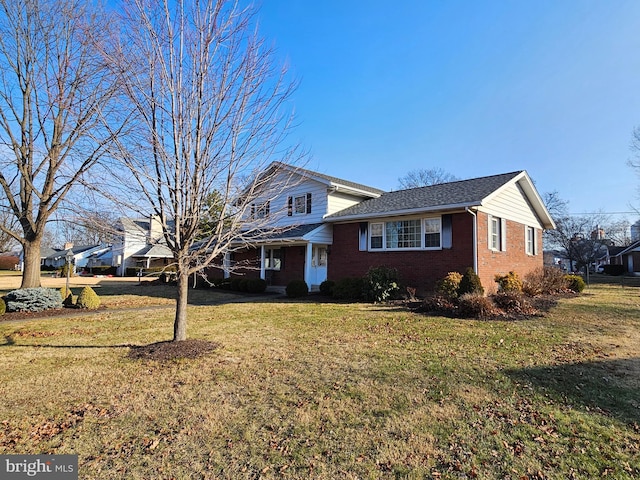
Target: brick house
{"x": 340, "y": 229}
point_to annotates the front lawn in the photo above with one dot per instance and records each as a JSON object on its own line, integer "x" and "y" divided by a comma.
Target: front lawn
{"x": 322, "y": 390}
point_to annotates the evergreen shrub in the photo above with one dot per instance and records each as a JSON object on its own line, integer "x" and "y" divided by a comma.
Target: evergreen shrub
{"x": 348, "y": 288}
{"x": 326, "y": 287}
{"x": 67, "y": 296}
{"x": 449, "y": 285}
{"x": 509, "y": 282}
{"x": 88, "y": 299}
{"x": 33, "y": 299}
{"x": 380, "y": 283}
{"x": 575, "y": 283}
{"x": 470, "y": 283}
{"x": 297, "y": 288}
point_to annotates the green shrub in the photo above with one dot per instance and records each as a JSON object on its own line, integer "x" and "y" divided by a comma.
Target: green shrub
{"x": 65, "y": 267}
{"x": 234, "y": 284}
{"x": 67, "y": 296}
{"x": 575, "y": 283}
{"x": 256, "y": 285}
{"x": 380, "y": 284}
{"x": 88, "y": 298}
{"x": 475, "y": 305}
{"x": 470, "y": 283}
{"x": 509, "y": 282}
{"x": 449, "y": 285}
{"x": 546, "y": 280}
{"x": 326, "y": 287}
{"x": 33, "y": 300}
{"x": 349, "y": 288}
{"x": 297, "y": 288}
{"x": 3, "y": 306}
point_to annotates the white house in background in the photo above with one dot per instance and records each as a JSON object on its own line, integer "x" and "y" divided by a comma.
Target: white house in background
{"x": 56, "y": 258}
{"x": 140, "y": 244}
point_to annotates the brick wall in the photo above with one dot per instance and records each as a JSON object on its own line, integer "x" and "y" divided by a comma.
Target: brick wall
{"x": 514, "y": 258}
{"x": 421, "y": 269}
{"x": 418, "y": 268}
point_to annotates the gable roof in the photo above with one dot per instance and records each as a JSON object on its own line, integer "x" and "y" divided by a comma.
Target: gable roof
{"x": 445, "y": 196}
{"x": 331, "y": 182}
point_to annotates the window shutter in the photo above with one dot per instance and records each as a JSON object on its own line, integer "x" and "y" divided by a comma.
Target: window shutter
{"x": 503, "y": 234}
{"x": 363, "y": 235}
{"x": 308, "y": 203}
{"x": 267, "y": 206}
{"x": 253, "y": 211}
{"x": 535, "y": 241}
{"x": 447, "y": 231}
{"x": 489, "y": 230}
{"x": 290, "y": 206}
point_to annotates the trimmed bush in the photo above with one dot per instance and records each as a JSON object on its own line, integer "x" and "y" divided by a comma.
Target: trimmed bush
{"x": 475, "y": 305}
{"x": 349, "y": 288}
{"x": 67, "y": 296}
{"x": 3, "y": 306}
{"x": 470, "y": 283}
{"x": 326, "y": 287}
{"x": 449, "y": 285}
{"x": 575, "y": 283}
{"x": 380, "y": 283}
{"x": 33, "y": 300}
{"x": 297, "y": 288}
{"x": 509, "y": 282}
{"x": 88, "y": 299}
{"x": 256, "y": 285}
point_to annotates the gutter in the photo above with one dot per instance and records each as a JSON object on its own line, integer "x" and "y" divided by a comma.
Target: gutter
{"x": 475, "y": 239}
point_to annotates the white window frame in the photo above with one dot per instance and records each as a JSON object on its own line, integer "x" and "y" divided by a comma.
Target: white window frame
{"x": 379, "y": 232}
{"x": 497, "y": 234}
{"x": 270, "y": 260}
{"x": 297, "y": 201}
{"x": 425, "y": 233}
{"x": 530, "y": 240}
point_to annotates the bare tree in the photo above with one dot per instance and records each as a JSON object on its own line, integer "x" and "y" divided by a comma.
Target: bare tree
{"x": 7, "y": 242}
{"x": 55, "y": 93}
{"x": 211, "y": 115}
{"x": 425, "y": 177}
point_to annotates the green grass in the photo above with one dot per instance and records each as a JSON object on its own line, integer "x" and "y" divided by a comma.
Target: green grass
{"x": 320, "y": 390}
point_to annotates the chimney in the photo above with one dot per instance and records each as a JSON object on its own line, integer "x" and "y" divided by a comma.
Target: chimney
{"x": 68, "y": 246}
{"x": 155, "y": 228}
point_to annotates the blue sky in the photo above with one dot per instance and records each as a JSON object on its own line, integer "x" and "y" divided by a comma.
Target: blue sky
{"x": 473, "y": 87}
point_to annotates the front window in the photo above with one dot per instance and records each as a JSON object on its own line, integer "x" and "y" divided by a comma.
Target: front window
{"x": 432, "y": 232}
{"x": 494, "y": 233}
{"x": 403, "y": 234}
{"x": 377, "y": 230}
{"x": 272, "y": 259}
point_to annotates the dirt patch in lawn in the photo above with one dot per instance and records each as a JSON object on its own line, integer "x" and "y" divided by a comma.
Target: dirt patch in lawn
{"x": 163, "y": 351}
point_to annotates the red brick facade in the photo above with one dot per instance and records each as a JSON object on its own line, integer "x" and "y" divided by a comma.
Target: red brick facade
{"x": 422, "y": 268}
{"x": 514, "y": 258}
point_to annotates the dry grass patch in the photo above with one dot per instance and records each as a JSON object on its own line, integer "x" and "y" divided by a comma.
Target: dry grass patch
{"x": 316, "y": 390}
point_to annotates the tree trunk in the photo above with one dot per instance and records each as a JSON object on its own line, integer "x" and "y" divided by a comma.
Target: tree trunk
{"x": 180, "y": 322}
{"x": 31, "y": 265}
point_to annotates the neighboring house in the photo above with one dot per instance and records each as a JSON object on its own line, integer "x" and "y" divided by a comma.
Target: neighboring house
{"x": 140, "y": 245}
{"x": 341, "y": 229}
{"x": 629, "y": 257}
{"x": 81, "y": 254}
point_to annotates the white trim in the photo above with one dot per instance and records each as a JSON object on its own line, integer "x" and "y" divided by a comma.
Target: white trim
{"x": 421, "y": 235}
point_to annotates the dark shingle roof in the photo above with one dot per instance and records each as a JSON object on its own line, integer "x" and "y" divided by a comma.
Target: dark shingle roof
{"x": 460, "y": 193}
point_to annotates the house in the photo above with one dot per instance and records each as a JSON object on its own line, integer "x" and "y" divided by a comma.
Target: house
{"x": 340, "y": 229}
{"x": 140, "y": 244}
{"x": 80, "y": 254}
{"x": 628, "y": 257}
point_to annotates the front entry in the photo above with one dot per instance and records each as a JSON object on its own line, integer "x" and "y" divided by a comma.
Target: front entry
{"x": 318, "y": 271}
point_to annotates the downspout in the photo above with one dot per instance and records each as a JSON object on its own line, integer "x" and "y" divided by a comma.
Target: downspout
{"x": 475, "y": 239}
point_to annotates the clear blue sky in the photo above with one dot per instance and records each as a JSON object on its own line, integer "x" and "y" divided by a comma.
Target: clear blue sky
{"x": 473, "y": 87}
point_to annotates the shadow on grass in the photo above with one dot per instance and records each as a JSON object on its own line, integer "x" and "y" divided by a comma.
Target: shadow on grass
{"x": 611, "y": 386}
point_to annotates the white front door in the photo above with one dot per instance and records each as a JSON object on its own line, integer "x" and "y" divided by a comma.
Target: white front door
{"x": 318, "y": 264}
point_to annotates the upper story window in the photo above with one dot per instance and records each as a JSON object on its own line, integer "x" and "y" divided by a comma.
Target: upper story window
{"x": 411, "y": 234}
{"x": 299, "y": 205}
{"x": 260, "y": 210}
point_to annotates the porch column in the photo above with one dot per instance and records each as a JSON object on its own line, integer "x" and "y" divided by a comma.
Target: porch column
{"x": 226, "y": 264}
{"x": 263, "y": 275}
{"x": 307, "y": 264}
